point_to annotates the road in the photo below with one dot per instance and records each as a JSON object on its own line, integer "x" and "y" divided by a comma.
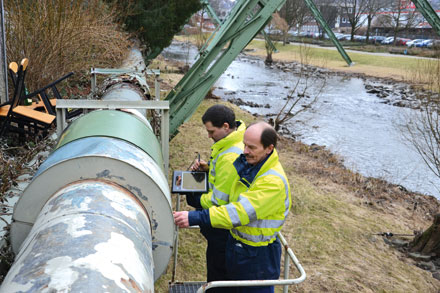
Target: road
{"x": 360, "y": 52}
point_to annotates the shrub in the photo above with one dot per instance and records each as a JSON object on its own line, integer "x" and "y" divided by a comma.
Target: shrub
{"x": 60, "y": 36}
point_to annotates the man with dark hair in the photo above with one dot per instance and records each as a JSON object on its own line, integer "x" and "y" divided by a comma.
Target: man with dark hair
{"x": 259, "y": 203}
{"x": 227, "y": 134}
{"x": 219, "y": 114}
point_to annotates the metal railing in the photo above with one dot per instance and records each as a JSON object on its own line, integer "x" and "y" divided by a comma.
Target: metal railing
{"x": 288, "y": 255}
{"x": 162, "y": 106}
{"x": 286, "y": 282}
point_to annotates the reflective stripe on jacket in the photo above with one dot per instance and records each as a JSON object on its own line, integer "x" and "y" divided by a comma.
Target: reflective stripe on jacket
{"x": 256, "y": 213}
{"x": 222, "y": 173}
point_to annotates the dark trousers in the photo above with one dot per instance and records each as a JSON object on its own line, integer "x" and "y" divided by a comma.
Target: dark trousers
{"x": 215, "y": 256}
{"x": 245, "y": 262}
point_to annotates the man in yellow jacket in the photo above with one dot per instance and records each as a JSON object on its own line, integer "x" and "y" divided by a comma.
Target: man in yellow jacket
{"x": 260, "y": 201}
{"x": 227, "y": 134}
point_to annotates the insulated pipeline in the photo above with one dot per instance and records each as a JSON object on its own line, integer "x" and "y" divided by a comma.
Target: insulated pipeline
{"x": 97, "y": 215}
{"x": 83, "y": 226}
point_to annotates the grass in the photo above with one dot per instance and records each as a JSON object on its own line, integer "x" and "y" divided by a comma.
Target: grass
{"x": 382, "y": 66}
{"x": 330, "y": 227}
{"x": 397, "y": 68}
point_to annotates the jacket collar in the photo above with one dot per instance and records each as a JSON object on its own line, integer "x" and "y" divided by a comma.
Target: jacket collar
{"x": 233, "y": 138}
{"x": 248, "y": 172}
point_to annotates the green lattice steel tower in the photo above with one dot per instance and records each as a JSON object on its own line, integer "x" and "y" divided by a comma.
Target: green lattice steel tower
{"x": 320, "y": 19}
{"x": 429, "y": 13}
{"x": 246, "y": 20}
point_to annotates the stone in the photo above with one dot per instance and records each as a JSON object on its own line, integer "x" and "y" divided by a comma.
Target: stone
{"x": 436, "y": 275}
{"x": 429, "y": 266}
{"x": 54, "y": 136}
{"x": 399, "y": 242}
{"x": 418, "y": 256}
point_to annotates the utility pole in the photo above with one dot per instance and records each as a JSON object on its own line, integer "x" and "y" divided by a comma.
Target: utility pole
{"x": 3, "y": 70}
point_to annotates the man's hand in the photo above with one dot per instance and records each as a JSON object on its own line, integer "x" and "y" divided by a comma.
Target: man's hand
{"x": 181, "y": 219}
{"x": 200, "y": 166}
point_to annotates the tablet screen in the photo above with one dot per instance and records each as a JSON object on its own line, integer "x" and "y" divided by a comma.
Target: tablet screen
{"x": 187, "y": 181}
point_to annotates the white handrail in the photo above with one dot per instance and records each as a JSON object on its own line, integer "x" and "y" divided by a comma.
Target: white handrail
{"x": 285, "y": 282}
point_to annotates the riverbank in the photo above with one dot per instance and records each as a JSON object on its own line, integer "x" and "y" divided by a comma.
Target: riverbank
{"x": 377, "y": 65}
{"x": 331, "y": 228}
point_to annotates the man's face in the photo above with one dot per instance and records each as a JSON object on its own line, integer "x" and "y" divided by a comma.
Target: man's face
{"x": 253, "y": 148}
{"x": 216, "y": 133}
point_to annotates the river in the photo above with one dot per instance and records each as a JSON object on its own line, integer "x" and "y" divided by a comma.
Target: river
{"x": 358, "y": 126}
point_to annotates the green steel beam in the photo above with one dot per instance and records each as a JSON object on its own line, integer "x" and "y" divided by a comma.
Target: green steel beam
{"x": 246, "y": 19}
{"x": 269, "y": 41}
{"x": 214, "y": 16}
{"x": 211, "y": 11}
{"x": 429, "y": 13}
{"x": 320, "y": 19}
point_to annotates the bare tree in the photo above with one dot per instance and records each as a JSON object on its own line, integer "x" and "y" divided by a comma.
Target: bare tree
{"x": 300, "y": 98}
{"x": 354, "y": 11}
{"x": 400, "y": 17}
{"x": 295, "y": 13}
{"x": 201, "y": 36}
{"x": 424, "y": 134}
{"x": 280, "y": 23}
{"x": 423, "y": 128}
{"x": 277, "y": 25}
{"x": 372, "y": 8}
{"x": 329, "y": 11}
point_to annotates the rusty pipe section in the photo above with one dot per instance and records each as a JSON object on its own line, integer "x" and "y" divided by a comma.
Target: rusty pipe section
{"x": 130, "y": 86}
{"x": 83, "y": 225}
{"x": 97, "y": 215}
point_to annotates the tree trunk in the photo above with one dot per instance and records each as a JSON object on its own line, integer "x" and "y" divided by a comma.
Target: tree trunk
{"x": 428, "y": 243}
{"x": 269, "y": 59}
{"x": 367, "y": 40}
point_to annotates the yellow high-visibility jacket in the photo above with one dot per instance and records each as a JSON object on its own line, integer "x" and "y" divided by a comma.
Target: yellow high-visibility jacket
{"x": 222, "y": 173}
{"x": 257, "y": 209}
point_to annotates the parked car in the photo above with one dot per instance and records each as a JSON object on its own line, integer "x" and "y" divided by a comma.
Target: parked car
{"x": 345, "y": 37}
{"x": 434, "y": 43}
{"x": 414, "y": 42}
{"x": 388, "y": 41}
{"x": 275, "y": 32}
{"x": 359, "y": 38}
{"x": 402, "y": 41}
{"x": 426, "y": 43}
{"x": 339, "y": 35}
{"x": 376, "y": 39}
{"x": 293, "y": 33}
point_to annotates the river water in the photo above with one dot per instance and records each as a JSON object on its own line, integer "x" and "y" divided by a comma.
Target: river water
{"x": 349, "y": 121}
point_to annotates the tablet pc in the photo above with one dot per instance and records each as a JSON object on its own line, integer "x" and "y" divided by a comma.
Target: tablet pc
{"x": 189, "y": 181}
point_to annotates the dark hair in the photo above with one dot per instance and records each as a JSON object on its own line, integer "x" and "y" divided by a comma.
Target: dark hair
{"x": 218, "y": 115}
{"x": 269, "y": 136}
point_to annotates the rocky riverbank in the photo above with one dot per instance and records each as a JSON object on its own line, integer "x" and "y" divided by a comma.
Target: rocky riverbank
{"x": 390, "y": 91}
